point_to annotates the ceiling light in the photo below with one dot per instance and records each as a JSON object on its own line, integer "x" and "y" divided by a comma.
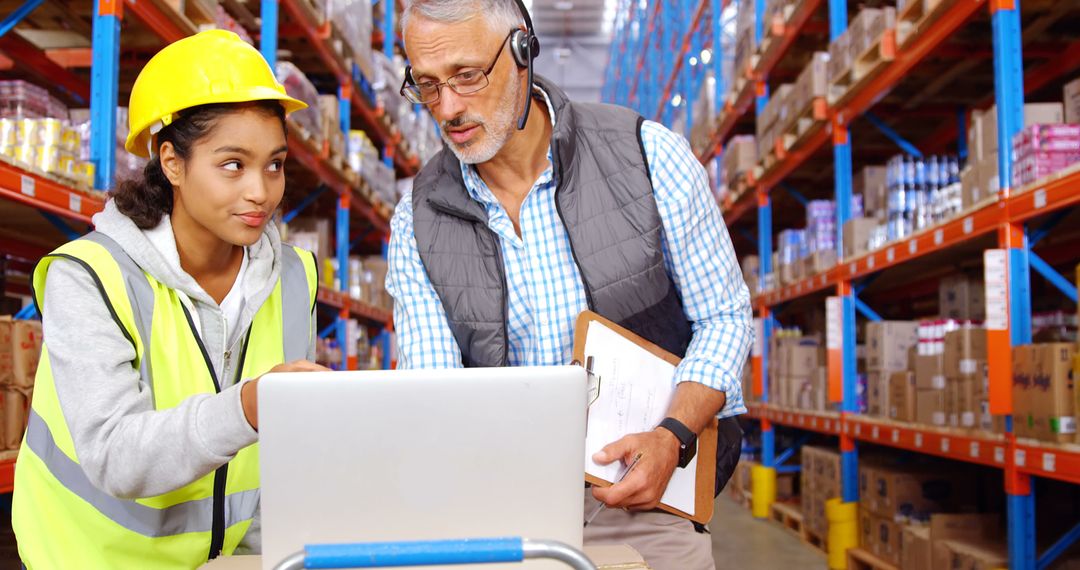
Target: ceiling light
{"x": 564, "y": 6}
{"x": 693, "y": 61}
{"x": 676, "y": 100}
{"x": 706, "y": 56}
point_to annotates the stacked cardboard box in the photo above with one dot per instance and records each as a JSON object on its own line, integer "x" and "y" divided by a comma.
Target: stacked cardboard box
{"x": 892, "y": 496}
{"x": 968, "y": 541}
{"x": 794, "y": 363}
{"x": 966, "y": 380}
{"x": 751, "y": 268}
{"x": 20, "y": 351}
{"x": 812, "y": 84}
{"x": 962, "y": 297}
{"x": 772, "y": 119}
{"x": 980, "y": 178}
{"x": 820, "y": 482}
{"x": 857, "y": 233}
{"x": 1044, "y": 400}
{"x": 740, "y": 158}
{"x": 887, "y": 346}
{"x": 870, "y": 183}
{"x": 934, "y": 396}
{"x": 1072, "y": 102}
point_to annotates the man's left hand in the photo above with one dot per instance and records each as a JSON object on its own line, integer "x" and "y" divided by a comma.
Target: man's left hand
{"x": 644, "y": 485}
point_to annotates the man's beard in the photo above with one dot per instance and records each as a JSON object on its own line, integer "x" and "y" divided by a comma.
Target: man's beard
{"x": 485, "y": 145}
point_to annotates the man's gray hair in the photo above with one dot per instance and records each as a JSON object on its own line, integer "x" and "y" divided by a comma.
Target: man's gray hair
{"x": 503, "y": 15}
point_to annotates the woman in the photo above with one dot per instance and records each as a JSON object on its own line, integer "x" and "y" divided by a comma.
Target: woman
{"x": 141, "y": 447}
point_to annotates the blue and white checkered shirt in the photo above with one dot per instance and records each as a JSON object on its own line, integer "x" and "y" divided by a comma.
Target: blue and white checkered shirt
{"x": 545, "y": 290}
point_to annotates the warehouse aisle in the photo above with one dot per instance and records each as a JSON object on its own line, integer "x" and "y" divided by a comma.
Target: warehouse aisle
{"x": 742, "y": 542}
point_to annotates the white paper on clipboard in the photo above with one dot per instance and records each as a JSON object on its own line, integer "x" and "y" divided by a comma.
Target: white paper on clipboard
{"x": 636, "y": 388}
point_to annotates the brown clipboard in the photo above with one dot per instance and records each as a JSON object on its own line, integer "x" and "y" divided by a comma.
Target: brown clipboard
{"x": 705, "y": 486}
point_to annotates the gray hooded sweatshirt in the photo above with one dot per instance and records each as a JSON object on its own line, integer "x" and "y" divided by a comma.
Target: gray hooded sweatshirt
{"x": 126, "y": 447}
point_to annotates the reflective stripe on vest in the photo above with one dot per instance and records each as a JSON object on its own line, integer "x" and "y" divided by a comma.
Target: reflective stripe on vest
{"x": 53, "y": 495}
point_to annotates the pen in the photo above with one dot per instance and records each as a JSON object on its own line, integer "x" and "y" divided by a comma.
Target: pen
{"x": 629, "y": 468}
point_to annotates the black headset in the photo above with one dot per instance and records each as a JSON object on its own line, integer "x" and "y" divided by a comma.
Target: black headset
{"x": 525, "y": 46}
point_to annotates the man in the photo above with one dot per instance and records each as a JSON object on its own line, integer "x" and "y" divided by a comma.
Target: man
{"x": 508, "y": 234}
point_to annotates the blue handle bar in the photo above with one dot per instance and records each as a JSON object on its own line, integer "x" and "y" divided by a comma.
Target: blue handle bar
{"x": 433, "y": 552}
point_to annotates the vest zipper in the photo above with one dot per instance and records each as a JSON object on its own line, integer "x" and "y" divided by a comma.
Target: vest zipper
{"x": 562, "y": 218}
{"x": 505, "y": 304}
{"x": 221, "y": 474}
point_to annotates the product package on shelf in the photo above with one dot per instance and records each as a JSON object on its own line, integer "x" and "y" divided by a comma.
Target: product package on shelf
{"x": 298, "y": 86}
{"x": 38, "y": 132}
{"x": 705, "y": 108}
{"x": 20, "y": 351}
{"x": 352, "y": 21}
{"x": 1041, "y": 150}
{"x": 922, "y": 192}
{"x": 820, "y": 482}
{"x": 740, "y": 157}
{"x": 886, "y": 349}
{"x": 1044, "y": 403}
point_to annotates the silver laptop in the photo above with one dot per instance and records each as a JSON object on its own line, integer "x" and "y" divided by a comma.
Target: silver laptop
{"x": 421, "y": 455}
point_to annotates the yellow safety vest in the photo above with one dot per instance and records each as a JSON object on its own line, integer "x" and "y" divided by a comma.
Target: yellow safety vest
{"x": 60, "y": 519}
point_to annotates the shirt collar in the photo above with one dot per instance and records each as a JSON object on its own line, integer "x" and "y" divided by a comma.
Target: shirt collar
{"x": 475, "y": 185}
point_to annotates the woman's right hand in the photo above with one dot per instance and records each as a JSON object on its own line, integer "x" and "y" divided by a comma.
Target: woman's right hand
{"x": 249, "y": 393}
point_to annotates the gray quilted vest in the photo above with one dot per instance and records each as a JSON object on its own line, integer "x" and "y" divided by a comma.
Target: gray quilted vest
{"x": 605, "y": 200}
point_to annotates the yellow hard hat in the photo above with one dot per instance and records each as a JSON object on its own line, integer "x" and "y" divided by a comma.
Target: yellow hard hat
{"x": 214, "y": 66}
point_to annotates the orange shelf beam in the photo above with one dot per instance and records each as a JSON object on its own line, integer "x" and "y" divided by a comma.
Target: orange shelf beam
{"x": 356, "y": 308}
{"x": 34, "y": 190}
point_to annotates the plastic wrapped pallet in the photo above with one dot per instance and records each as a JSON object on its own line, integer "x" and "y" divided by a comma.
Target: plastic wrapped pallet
{"x": 298, "y": 86}
{"x": 352, "y": 20}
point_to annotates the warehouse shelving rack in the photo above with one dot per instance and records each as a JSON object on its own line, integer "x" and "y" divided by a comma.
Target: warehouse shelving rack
{"x": 68, "y": 211}
{"x": 645, "y": 48}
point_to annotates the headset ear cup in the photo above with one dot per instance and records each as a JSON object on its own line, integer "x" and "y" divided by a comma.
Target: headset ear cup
{"x": 519, "y": 47}
{"x": 534, "y": 47}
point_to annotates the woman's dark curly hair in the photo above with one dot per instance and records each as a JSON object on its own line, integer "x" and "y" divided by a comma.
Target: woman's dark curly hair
{"x": 145, "y": 200}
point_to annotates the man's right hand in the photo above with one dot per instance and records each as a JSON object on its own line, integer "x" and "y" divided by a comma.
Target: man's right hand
{"x": 249, "y": 394}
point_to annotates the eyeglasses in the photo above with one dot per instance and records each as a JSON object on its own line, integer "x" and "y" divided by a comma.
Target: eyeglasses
{"x": 464, "y": 83}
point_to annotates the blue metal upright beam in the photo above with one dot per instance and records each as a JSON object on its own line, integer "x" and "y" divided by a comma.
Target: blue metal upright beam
{"x": 1059, "y": 547}
{"x": 342, "y": 243}
{"x": 389, "y": 34}
{"x": 104, "y": 84}
{"x": 718, "y": 53}
{"x": 837, "y": 18}
{"x": 1008, "y": 83}
{"x": 962, "y": 129}
{"x": 765, "y": 246}
{"x": 865, "y": 309}
{"x": 268, "y": 41}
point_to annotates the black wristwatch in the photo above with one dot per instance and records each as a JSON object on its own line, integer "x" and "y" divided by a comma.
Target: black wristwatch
{"x": 687, "y": 439}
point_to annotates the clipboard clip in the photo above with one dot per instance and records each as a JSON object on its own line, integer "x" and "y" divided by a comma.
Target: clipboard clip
{"x": 593, "y": 386}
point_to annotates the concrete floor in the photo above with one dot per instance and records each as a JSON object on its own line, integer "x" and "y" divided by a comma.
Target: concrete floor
{"x": 741, "y": 541}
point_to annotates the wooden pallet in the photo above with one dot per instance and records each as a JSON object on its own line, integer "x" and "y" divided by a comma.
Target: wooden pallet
{"x": 793, "y": 134}
{"x": 914, "y": 17}
{"x": 877, "y": 57}
{"x": 815, "y": 540}
{"x": 859, "y": 559}
{"x": 788, "y": 516}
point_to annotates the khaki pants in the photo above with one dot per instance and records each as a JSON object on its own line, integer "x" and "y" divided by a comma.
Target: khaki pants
{"x": 667, "y": 542}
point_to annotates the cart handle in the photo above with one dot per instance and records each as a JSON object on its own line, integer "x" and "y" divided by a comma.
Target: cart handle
{"x": 433, "y": 553}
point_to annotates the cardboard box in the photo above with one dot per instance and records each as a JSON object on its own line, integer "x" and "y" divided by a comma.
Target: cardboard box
{"x": 870, "y": 182}
{"x": 915, "y": 551}
{"x": 740, "y": 157}
{"x": 813, "y": 83}
{"x": 887, "y": 539}
{"x": 965, "y": 351}
{"x": 970, "y": 191}
{"x": 930, "y": 372}
{"x": 902, "y": 396}
{"x": 803, "y": 358}
{"x": 946, "y": 530}
{"x": 975, "y": 137}
{"x": 839, "y": 56}
{"x": 962, "y": 297}
{"x": 1052, "y": 400}
{"x": 1072, "y": 102}
{"x": 1034, "y": 114}
{"x": 930, "y": 407}
{"x": 978, "y": 555}
{"x": 824, "y": 260}
{"x": 866, "y": 529}
{"x": 26, "y": 340}
{"x": 877, "y": 393}
{"x": 7, "y": 352}
{"x": 888, "y": 342}
{"x": 989, "y": 180}
{"x": 1022, "y": 393}
{"x": 912, "y": 494}
{"x": 857, "y": 236}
